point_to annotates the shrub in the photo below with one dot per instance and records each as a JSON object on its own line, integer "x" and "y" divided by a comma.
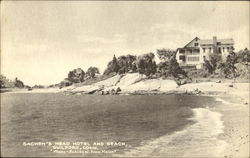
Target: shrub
{"x": 18, "y": 83}
{"x": 146, "y": 64}
{"x": 76, "y": 75}
{"x": 92, "y": 71}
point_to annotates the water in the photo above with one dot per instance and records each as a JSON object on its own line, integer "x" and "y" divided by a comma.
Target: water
{"x": 151, "y": 125}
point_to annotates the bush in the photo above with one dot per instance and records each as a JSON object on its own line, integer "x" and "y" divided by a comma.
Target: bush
{"x": 228, "y": 69}
{"x": 92, "y": 71}
{"x": 171, "y": 68}
{"x": 213, "y": 63}
{"x": 146, "y": 64}
{"x": 65, "y": 83}
{"x": 18, "y": 83}
{"x": 76, "y": 75}
{"x": 243, "y": 56}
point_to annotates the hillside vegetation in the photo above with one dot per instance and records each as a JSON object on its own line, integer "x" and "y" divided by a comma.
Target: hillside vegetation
{"x": 235, "y": 66}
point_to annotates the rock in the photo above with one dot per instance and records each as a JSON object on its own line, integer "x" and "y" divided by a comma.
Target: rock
{"x": 118, "y": 90}
{"x": 112, "y": 91}
{"x": 219, "y": 81}
{"x": 101, "y": 92}
{"x": 92, "y": 92}
{"x": 183, "y": 82}
{"x": 197, "y": 91}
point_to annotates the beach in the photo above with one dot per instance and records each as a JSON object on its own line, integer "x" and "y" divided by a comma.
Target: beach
{"x": 235, "y": 116}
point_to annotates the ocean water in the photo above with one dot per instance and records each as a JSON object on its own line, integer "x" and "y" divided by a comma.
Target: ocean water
{"x": 150, "y": 125}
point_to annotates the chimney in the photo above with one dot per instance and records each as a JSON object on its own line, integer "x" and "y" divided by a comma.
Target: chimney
{"x": 215, "y": 44}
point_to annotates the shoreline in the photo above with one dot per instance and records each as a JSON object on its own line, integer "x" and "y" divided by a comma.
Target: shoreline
{"x": 192, "y": 141}
{"x": 235, "y": 117}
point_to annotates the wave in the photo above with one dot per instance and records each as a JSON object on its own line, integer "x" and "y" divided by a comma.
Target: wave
{"x": 196, "y": 140}
{"x": 222, "y": 101}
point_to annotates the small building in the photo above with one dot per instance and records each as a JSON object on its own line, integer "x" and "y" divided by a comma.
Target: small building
{"x": 196, "y": 51}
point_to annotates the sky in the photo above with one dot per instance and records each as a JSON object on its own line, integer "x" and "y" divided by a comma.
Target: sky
{"x": 41, "y": 41}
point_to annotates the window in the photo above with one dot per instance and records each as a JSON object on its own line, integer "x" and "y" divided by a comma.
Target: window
{"x": 196, "y": 44}
{"x": 228, "y": 49}
{"x": 209, "y": 50}
{"x": 204, "y": 58}
{"x": 223, "y": 49}
{"x": 204, "y": 50}
{"x": 219, "y": 51}
{"x": 182, "y": 58}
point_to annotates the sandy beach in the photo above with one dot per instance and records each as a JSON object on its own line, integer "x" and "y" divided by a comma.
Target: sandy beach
{"x": 234, "y": 108}
{"x": 235, "y": 117}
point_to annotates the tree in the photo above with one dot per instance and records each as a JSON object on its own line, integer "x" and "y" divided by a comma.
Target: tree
{"x": 208, "y": 66}
{"x": 131, "y": 62}
{"x": 126, "y": 64}
{"x": 174, "y": 68}
{"x": 2, "y": 84}
{"x": 163, "y": 69}
{"x": 141, "y": 68}
{"x": 92, "y": 71}
{"x": 18, "y": 83}
{"x": 112, "y": 66}
{"x": 169, "y": 65}
{"x": 165, "y": 54}
{"x": 228, "y": 68}
{"x": 213, "y": 63}
{"x": 76, "y": 75}
{"x": 243, "y": 56}
{"x": 6, "y": 83}
{"x": 146, "y": 64}
{"x": 121, "y": 65}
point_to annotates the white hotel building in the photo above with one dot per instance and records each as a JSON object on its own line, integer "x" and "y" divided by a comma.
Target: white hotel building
{"x": 197, "y": 50}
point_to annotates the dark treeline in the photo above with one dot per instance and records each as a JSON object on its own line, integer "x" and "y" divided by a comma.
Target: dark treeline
{"x": 7, "y": 83}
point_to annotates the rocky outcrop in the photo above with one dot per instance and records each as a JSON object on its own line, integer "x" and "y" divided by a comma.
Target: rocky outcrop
{"x": 135, "y": 83}
{"x": 123, "y": 84}
{"x": 88, "y": 89}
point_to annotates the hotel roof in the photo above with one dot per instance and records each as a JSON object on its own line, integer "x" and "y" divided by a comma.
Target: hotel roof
{"x": 221, "y": 41}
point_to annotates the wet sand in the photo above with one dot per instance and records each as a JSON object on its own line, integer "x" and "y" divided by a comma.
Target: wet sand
{"x": 235, "y": 116}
